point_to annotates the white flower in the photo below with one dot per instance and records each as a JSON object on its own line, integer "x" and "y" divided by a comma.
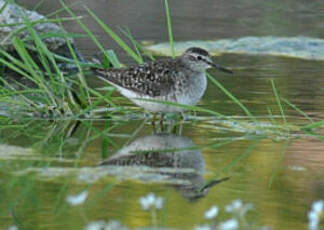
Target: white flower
{"x": 147, "y": 201}
{"x": 234, "y": 206}
{"x": 151, "y": 201}
{"x": 96, "y": 225}
{"x": 158, "y": 203}
{"x": 13, "y": 227}
{"x": 297, "y": 168}
{"x": 203, "y": 227}
{"x": 318, "y": 206}
{"x": 314, "y": 215}
{"x": 77, "y": 199}
{"x": 103, "y": 225}
{"x": 238, "y": 207}
{"x": 230, "y": 224}
{"x": 212, "y": 212}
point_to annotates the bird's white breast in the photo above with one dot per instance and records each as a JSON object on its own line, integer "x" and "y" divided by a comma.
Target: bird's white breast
{"x": 189, "y": 94}
{"x": 194, "y": 90}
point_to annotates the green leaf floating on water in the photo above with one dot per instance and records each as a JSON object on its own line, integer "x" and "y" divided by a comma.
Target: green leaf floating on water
{"x": 297, "y": 47}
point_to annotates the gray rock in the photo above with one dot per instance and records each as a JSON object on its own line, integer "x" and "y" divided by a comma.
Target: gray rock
{"x": 13, "y": 14}
{"x": 296, "y": 47}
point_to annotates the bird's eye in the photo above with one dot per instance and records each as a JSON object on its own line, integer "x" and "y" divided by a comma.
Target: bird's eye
{"x": 199, "y": 58}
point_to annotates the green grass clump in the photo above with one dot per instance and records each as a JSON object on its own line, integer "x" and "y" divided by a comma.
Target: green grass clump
{"x": 49, "y": 91}
{"x": 36, "y": 84}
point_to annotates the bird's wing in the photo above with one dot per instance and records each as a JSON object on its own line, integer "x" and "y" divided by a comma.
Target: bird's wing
{"x": 152, "y": 79}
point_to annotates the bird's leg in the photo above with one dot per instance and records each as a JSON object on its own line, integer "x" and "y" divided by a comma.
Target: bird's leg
{"x": 153, "y": 121}
{"x": 161, "y": 122}
{"x": 183, "y": 116}
{"x": 174, "y": 128}
{"x": 73, "y": 128}
{"x": 180, "y": 128}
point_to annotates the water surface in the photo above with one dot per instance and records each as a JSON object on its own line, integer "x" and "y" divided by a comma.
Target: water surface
{"x": 280, "y": 176}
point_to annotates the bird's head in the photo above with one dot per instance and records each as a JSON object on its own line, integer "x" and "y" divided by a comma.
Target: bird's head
{"x": 199, "y": 60}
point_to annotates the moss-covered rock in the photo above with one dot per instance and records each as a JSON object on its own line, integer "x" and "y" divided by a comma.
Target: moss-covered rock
{"x": 296, "y": 47}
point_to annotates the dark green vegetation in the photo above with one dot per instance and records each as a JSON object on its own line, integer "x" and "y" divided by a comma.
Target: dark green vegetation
{"x": 65, "y": 125}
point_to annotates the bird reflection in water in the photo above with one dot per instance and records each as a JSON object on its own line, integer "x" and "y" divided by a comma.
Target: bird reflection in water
{"x": 169, "y": 155}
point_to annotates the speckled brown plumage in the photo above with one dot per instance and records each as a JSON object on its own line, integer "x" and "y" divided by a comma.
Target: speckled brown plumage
{"x": 153, "y": 78}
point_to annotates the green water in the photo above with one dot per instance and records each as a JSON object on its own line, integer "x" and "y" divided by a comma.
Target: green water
{"x": 280, "y": 177}
{"x": 42, "y": 162}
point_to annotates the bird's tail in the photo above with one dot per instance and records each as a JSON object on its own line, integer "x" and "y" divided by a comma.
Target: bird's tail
{"x": 100, "y": 73}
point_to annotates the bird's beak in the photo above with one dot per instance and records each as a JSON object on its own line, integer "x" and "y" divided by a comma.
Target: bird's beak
{"x": 223, "y": 69}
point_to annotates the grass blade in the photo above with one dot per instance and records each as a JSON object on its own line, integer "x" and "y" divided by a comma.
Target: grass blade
{"x": 167, "y": 11}
{"x": 62, "y": 9}
{"x": 242, "y": 156}
{"x": 14, "y": 68}
{"x": 314, "y": 125}
{"x": 297, "y": 109}
{"x": 115, "y": 37}
{"x": 281, "y": 158}
{"x": 231, "y": 96}
{"x": 4, "y": 5}
{"x": 278, "y": 101}
{"x": 41, "y": 2}
{"x": 135, "y": 44}
{"x": 84, "y": 27}
{"x": 113, "y": 58}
